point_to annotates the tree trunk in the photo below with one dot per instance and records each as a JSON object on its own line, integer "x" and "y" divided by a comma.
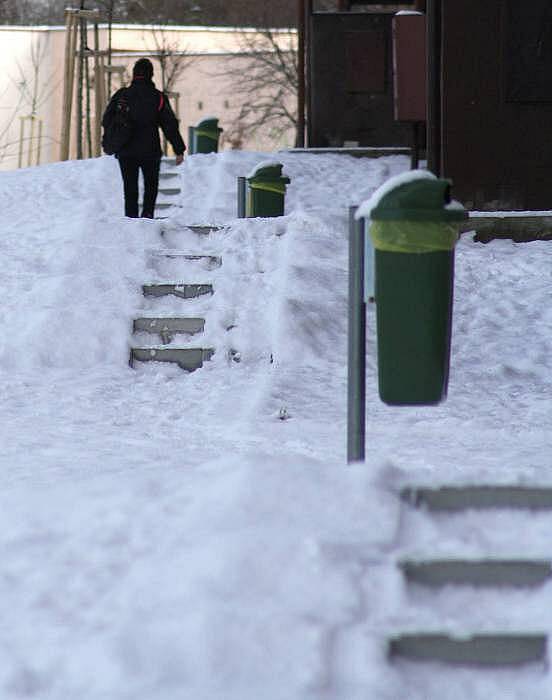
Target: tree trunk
{"x": 88, "y": 120}
{"x": 80, "y": 77}
{"x": 109, "y": 46}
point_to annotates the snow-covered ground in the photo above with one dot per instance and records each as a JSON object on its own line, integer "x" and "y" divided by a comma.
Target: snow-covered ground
{"x": 166, "y": 535}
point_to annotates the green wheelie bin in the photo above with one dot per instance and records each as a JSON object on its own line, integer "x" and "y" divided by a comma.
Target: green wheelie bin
{"x": 206, "y": 136}
{"x": 266, "y": 190}
{"x": 414, "y": 231}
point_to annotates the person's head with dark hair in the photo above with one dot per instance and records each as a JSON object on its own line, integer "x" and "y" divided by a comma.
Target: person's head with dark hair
{"x": 143, "y": 69}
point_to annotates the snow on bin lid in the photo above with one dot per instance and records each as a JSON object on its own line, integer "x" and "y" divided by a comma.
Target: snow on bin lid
{"x": 425, "y": 199}
{"x": 365, "y": 209}
{"x": 208, "y": 123}
{"x": 272, "y": 167}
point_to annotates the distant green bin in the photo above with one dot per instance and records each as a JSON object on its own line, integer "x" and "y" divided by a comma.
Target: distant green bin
{"x": 414, "y": 231}
{"x": 266, "y": 191}
{"x": 206, "y": 136}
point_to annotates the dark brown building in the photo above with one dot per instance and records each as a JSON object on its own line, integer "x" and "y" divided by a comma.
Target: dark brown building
{"x": 496, "y": 102}
{"x": 350, "y": 76}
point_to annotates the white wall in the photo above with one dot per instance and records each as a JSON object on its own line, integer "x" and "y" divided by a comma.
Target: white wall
{"x": 203, "y": 87}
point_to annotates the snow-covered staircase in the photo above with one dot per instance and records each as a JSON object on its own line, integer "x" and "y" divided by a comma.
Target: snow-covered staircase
{"x": 464, "y": 597}
{"x": 171, "y": 331}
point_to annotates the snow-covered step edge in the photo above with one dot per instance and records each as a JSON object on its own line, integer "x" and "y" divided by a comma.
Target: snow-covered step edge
{"x": 188, "y": 359}
{"x": 213, "y": 261}
{"x": 483, "y": 650}
{"x": 177, "y": 289}
{"x": 458, "y": 498}
{"x": 200, "y": 229}
{"x": 487, "y": 572}
{"x": 168, "y": 326}
{"x": 166, "y": 205}
{"x": 169, "y": 191}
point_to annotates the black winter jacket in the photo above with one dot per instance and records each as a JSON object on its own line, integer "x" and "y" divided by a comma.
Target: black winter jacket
{"x": 149, "y": 110}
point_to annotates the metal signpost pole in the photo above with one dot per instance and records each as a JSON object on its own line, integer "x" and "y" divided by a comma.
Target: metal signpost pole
{"x": 356, "y": 379}
{"x": 241, "y": 197}
{"x": 434, "y": 38}
{"x": 300, "y": 137}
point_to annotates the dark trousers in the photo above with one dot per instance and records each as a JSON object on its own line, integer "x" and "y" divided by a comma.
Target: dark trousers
{"x": 130, "y": 168}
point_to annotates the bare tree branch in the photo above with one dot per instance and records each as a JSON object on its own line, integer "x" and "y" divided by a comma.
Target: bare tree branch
{"x": 32, "y": 92}
{"x": 264, "y": 78}
{"x": 173, "y": 60}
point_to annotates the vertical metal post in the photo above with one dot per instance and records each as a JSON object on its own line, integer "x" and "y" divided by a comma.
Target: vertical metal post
{"x": 434, "y": 70}
{"x": 71, "y": 28}
{"x": 80, "y": 86}
{"x": 97, "y": 94}
{"x": 109, "y": 45}
{"x": 415, "y": 156}
{"x": 356, "y": 375}
{"x": 308, "y": 71}
{"x": 241, "y": 197}
{"x": 300, "y": 138}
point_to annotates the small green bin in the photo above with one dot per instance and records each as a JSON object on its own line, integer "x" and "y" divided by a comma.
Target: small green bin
{"x": 266, "y": 191}
{"x": 414, "y": 230}
{"x": 206, "y": 136}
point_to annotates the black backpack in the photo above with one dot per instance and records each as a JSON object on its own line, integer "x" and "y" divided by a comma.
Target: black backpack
{"x": 118, "y": 128}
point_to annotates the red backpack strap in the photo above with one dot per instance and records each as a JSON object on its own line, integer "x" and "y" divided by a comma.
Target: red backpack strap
{"x": 161, "y": 102}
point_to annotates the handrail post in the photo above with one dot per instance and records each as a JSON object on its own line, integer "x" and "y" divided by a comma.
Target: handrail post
{"x": 356, "y": 374}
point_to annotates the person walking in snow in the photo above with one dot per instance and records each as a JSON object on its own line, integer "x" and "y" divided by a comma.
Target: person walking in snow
{"x": 147, "y": 110}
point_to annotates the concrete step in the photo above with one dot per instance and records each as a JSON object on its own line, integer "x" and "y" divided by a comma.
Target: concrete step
{"x": 355, "y": 151}
{"x": 168, "y": 327}
{"x": 167, "y": 176}
{"x": 204, "y": 230}
{"x": 169, "y": 190}
{"x": 486, "y": 572}
{"x": 200, "y": 229}
{"x": 189, "y": 359}
{"x": 164, "y": 205}
{"x": 457, "y": 498}
{"x": 177, "y": 289}
{"x": 485, "y": 650}
{"x": 211, "y": 260}
{"x": 518, "y": 226}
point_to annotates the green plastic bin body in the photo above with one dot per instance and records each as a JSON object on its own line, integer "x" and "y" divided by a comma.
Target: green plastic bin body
{"x": 414, "y": 293}
{"x": 264, "y": 203}
{"x": 266, "y": 192}
{"x": 206, "y": 136}
{"x": 414, "y": 235}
